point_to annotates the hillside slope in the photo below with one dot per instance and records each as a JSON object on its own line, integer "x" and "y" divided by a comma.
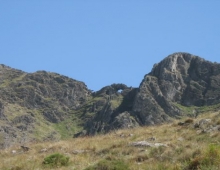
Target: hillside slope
{"x": 45, "y": 106}
{"x": 187, "y": 144}
{"x": 38, "y": 106}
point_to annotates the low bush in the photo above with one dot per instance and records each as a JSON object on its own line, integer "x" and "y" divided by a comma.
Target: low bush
{"x": 109, "y": 165}
{"x": 56, "y": 160}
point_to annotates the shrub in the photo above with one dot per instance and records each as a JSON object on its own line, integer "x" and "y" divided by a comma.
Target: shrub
{"x": 210, "y": 159}
{"x": 212, "y": 156}
{"x": 56, "y": 160}
{"x": 109, "y": 165}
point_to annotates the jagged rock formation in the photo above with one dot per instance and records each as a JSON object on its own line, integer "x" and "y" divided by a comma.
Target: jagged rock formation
{"x": 109, "y": 110}
{"x": 180, "y": 78}
{"x": 48, "y": 106}
{"x": 179, "y": 81}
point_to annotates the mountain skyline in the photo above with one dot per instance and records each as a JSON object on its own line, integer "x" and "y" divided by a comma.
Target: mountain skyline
{"x": 138, "y": 83}
{"x": 101, "y": 42}
{"x": 50, "y": 106}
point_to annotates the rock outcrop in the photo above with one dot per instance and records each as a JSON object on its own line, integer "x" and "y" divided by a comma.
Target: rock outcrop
{"x": 31, "y": 103}
{"x": 48, "y": 106}
{"x": 180, "y": 78}
{"x": 110, "y": 109}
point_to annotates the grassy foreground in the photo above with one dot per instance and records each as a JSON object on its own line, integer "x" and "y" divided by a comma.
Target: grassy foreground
{"x": 187, "y": 148}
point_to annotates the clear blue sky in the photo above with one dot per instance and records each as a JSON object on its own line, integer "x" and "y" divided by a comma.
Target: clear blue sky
{"x": 102, "y": 42}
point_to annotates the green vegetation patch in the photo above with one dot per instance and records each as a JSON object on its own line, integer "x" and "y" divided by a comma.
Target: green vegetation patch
{"x": 209, "y": 108}
{"x": 209, "y": 160}
{"x": 117, "y": 101}
{"x": 109, "y": 165}
{"x": 67, "y": 128}
{"x": 189, "y": 110}
{"x": 56, "y": 160}
{"x": 13, "y": 110}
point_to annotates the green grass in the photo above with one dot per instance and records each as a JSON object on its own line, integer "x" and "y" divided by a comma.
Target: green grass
{"x": 210, "y": 108}
{"x": 14, "y": 110}
{"x": 8, "y": 81}
{"x": 189, "y": 110}
{"x": 117, "y": 101}
{"x": 56, "y": 160}
{"x": 109, "y": 165}
{"x": 209, "y": 160}
{"x": 67, "y": 128}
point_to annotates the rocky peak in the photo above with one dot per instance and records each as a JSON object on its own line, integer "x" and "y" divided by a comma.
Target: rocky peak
{"x": 174, "y": 63}
{"x": 177, "y": 71}
{"x": 180, "y": 78}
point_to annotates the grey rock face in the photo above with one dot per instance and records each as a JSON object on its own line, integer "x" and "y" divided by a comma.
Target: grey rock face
{"x": 42, "y": 85}
{"x": 180, "y": 78}
{"x": 110, "y": 109}
{"x": 124, "y": 120}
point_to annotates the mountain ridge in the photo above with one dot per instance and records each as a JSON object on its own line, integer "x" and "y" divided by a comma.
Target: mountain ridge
{"x": 49, "y": 106}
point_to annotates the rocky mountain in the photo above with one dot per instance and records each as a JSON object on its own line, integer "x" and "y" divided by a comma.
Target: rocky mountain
{"x": 38, "y": 106}
{"x": 181, "y": 84}
{"x": 181, "y": 79}
{"x": 48, "y": 106}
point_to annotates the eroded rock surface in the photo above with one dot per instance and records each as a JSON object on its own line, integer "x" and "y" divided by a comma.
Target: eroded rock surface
{"x": 180, "y": 78}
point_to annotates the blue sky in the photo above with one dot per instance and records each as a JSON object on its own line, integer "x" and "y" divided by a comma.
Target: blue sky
{"x": 103, "y": 42}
